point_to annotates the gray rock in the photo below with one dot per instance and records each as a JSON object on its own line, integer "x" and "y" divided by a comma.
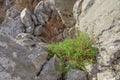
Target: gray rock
{"x": 27, "y": 40}
{"x": 43, "y": 10}
{"x": 9, "y": 3}
{"x": 51, "y": 70}
{"x": 19, "y": 62}
{"x": 26, "y": 18}
{"x": 106, "y": 75}
{"x": 12, "y": 12}
{"x": 101, "y": 21}
{"x": 12, "y": 24}
{"x": 35, "y": 46}
{"x": 14, "y": 59}
{"x": 38, "y": 30}
{"x": 64, "y": 8}
{"x": 76, "y": 75}
{"x": 34, "y": 19}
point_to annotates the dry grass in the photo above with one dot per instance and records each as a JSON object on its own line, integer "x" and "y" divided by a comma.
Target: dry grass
{"x": 20, "y": 4}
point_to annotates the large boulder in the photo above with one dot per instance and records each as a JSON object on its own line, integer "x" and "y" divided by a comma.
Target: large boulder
{"x": 20, "y": 62}
{"x": 101, "y": 20}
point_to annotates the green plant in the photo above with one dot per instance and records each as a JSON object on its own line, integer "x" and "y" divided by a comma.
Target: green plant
{"x": 75, "y": 52}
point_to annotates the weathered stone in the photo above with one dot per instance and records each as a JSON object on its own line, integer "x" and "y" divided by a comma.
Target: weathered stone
{"x": 26, "y": 39}
{"x": 12, "y": 24}
{"x": 35, "y": 46}
{"x": 18, "y": 62}
{"x": 76, "y": 75}
{"x": 64, "y": 8}
{"x": 34, "y": 19}
{"x": 9, "y": 3}
{"x": 12, "y": 12}
{"x": 20, "y": 65}
{"x": 101, "y": 21}
{"x": 38, "y": 30}
{"x": 26, "y": 18}
{"x": 50, "y": 19}
{"x": 106, "y": 75}
{"x": 51, "y": 70}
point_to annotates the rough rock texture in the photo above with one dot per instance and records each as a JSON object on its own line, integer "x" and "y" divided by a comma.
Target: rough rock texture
{"x": 101, "y": 20}
{"x": 65, "y": 7}
{"x": 76, "y": 75}
{"x": 48, "y": 16}
{"x": 26, "y": 18}
{"x": 51, "y": 70}
{"x": 18, "y": 62}
{"x": 12, "y": 24}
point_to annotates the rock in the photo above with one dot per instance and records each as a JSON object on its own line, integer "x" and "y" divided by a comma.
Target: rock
{"x": 44, "y": 8}
{"x": 116, "y": 68}
{"x": 19, "y": 65}
{"x": 76, "y": 75}
{"x": 12, "y": 24}
{"x": 35, "y": 46}
{"x": 27, "y": 40}
{"x": 51, "y": 70}
{"x": 34, "y": 19}
{"x": 26, "y": 18}
{"x": 12, "y": 12}
{"x": 9, "y": 3}
{"x": 106, "y": 75}
{"x": 91, "y": 68}
{"x": 64, "y": 8}
{"x": 38, "y": 30}
{"x": 50, "y": 19}
{"x": 101, "y": 22}
{"x": 19, "y": 62}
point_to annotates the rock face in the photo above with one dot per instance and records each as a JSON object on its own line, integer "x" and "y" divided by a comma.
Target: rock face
{"x": 76, "y": 75}
{"x": 20, "y": 62}
{"x": 100, "y": 19}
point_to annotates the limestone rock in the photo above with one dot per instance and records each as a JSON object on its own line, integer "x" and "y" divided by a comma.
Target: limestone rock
{"x": 49, "y": 17}
{"x": 26, "y": 18}
{"x": 12, "y": 24}
{"x": 101, "y": 21}
{"x": 64, "y": 8}
{"x": 35, "y": 46}
{"x": 19, "y": 66}
{"x": 18, "y": 62}
{"x": 106, "y": 75}
{"x": 76, "y": 75}
{"x": 9, "y": 3}
{"x": 38, "y": 30}
{"x": 51, "y": 70}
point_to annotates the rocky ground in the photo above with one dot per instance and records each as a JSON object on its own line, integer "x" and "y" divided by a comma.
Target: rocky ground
{"x": 27, "y": 30}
